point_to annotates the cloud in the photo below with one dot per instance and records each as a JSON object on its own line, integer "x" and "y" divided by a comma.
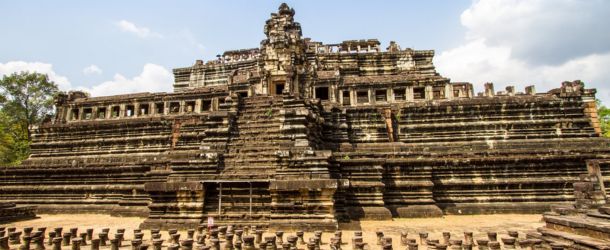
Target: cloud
{"x": 153, "y": 78}
{"x": 541, "y": 31}
{"x": 44, "y": 68}
{"x": 141, "y": 32}
{"x": 511, "y": 43}
{"x": 92, "y": 70}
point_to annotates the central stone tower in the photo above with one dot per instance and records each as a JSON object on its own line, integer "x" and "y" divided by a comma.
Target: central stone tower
{"x": 282, "y": 54}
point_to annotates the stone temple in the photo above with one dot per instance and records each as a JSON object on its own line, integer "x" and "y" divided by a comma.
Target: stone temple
{"x": 301, "y": 134}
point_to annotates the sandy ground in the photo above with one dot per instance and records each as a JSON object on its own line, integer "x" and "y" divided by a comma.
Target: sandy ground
{"x": 478, "y": 224}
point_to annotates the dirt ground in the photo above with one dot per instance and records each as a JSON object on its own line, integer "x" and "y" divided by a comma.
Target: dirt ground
{"x": 457, "y": 225}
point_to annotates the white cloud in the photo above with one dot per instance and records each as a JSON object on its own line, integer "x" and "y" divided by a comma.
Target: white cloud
{"x": 92, "y": 70}
{"x": 153, "y": 78}
{"x": 44, "y": 68}
{"x": 139, "y": 31}
{"x": 541, "y": 31}
{"x": 507, "y": 42}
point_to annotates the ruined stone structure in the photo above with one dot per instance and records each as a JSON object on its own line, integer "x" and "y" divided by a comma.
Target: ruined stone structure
{"x": 298, "y": 133}
{"x": 10, "y": 212}
{"x": 586, "y": 223}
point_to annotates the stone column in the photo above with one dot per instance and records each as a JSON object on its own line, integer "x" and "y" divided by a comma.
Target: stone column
{"x": 66, "y": 239}
{"x": 248, "y": 242}
{"x": 57, "y": 243}
{"x": 83, "y": 237}
{"x": 13, "y": 238}
{"x": 429, "y": 93}
{"x": 89, "y": 233}
{"x": 279, "y": 237}
{"x": 489, "y": 89}
{"x": 103, "y": 236}
{"x": 409, "y": 94}
{"x": 448, "y": 91}
{"x": 175, "y": 238}
{"x": 95, "y": 244}
{"x": 482, "y": 243}
{"x": 157, "y": 243}
{"x": 51, "y": 236}
{"x": 122, "y": 110}
{"x": 39, "y": 243}
{"x": 76, "y": 243}
{"x": 114, "y": 244}
{"x": 187, "y": 244}
{"x": 25, "y": 243}
{"x": 300, "y": 236}
{"x": 422, "y": 238}
{"x": 492, "y": 236}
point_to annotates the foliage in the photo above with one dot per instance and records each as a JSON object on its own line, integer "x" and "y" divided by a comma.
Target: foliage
{"x": 26, "y": 99}
{"x": 604, "y": 118}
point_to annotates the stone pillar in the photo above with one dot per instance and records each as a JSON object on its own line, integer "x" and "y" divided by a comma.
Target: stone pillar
{"x": 422, "y": 238}
{"x": 197, "y": 108}
{"x": 136, "y": 109}
{"x": 492, "y": 236}
{"x": 89, "y": 233}
{"x": 66, "y": 239}
{"x": 188, "y": 244}
{"x": 57, "y": 243}
{"x": 446, "y": 237}
{"x": 510, "y": 90}
{"x": 51, "y": 236}
{"x": 300, "y": 236}
{"x": 530, "y": 90}
{"x": 25, "y": 243}
{"x": 509, "y": 243}
{"x": 76, "y": 243}
{"x": 429, "y": 92}
{"x": 468, "y": 239}
{"x": 120, "y": 238}
{"x": 413, "y": 246}
{"x": 14, "y": 238}
{"x": 157, "y": 243}
{"x": 482, "y": 243}
{"x": 175, "y": 238}
{"x": 4, "y": 243}
{"x": 409, "y": 94}
{"x": 259, "y": 236}
{"x": 379, "y": 238}
{"x": 95, "y": 244}
{"x": 449, "y": 91}
{"x": 39, "y": 243}
{"x": 122, "y": 110}
{"x": 83, "y": 237}
{"x": 114, "y": 244}
{"x": 489, "y": 89}
{"x": 248, "y": 242}
{"x": 103, "y": 236}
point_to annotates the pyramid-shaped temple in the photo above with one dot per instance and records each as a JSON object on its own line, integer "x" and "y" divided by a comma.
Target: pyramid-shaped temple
{"x": 301, "y": 134}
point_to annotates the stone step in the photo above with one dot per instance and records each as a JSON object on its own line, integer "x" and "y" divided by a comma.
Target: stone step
{"x": 584, "y": 224}
{"x": 574, "y": 241}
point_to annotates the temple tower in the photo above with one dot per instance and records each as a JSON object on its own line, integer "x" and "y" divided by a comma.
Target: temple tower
{"x": 282, "y": 53}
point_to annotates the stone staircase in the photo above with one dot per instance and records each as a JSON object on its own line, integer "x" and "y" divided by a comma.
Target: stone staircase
{"x": 254, "y": 140}
{"x": 250, "y": 160}
{"x": 586, "y": 223}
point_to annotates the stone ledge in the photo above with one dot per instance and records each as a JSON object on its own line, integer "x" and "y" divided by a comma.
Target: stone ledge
{"x": 419, "y": 211}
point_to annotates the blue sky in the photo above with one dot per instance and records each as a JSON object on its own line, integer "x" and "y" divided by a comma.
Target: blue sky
{"x": 113, "y": 47}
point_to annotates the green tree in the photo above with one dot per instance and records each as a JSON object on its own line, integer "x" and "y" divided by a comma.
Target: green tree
{"x": 26, "y": 99}
{"x": 604, "y": 118}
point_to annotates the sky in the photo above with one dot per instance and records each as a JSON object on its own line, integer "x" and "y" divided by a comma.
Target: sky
{"x": 116, "y": 47}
